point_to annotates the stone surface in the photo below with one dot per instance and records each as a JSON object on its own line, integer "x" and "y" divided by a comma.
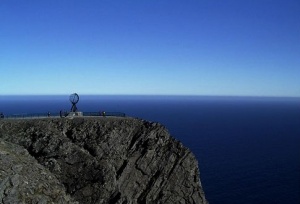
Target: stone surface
{"x": 96, "y": 160}
{"x": 23, "y": 180}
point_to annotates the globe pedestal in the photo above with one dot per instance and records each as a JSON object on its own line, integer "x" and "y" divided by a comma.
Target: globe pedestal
{"x": 75, "y": 114}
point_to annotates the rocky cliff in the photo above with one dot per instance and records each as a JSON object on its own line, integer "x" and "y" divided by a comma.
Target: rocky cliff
{"x": 94, "y": 160}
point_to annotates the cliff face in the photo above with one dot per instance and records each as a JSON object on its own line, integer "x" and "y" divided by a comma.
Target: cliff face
{"x": 23, "y": 180}
{"x": 95, "y": 160}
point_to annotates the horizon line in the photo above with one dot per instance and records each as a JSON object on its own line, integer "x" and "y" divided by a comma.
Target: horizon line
{"x": 156, "y": 95}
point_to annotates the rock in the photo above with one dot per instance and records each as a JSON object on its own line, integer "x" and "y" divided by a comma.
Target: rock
{"x": 23, "y": 180}
{"x": 101, "y": 160}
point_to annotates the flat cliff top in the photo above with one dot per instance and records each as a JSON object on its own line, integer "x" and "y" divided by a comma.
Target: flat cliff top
{"x": 105, "y": 159}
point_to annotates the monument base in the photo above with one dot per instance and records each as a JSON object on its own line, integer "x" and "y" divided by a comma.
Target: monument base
{"x": 75, "y": 114}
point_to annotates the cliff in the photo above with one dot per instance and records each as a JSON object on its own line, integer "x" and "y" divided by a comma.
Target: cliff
{"x": 94, "y": 160}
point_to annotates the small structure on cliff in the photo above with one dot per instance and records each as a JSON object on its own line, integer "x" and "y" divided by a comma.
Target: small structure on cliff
{"x": 74, "y": 99}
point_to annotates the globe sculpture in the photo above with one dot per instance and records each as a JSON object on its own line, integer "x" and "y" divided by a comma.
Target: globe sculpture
{"x": 74, "y": 98}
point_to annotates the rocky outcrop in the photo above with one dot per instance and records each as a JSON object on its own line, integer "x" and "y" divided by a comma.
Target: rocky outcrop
{"x": 95, "y": 160}
{"x": 23, "y": 180}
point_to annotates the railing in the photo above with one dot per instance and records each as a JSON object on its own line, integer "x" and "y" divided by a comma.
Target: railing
{"x": 44, "y": 115}
{"x": 31, "y": 115}
{"x": 118, "y": 114}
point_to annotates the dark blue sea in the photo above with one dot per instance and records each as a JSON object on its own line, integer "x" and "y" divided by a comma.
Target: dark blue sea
{"x": 248, "y": 148}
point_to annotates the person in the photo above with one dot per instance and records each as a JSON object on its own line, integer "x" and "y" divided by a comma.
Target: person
{"x": 48, "y": 114}
{"x": 1, "y": 115}
{"x": 61, "y": 113}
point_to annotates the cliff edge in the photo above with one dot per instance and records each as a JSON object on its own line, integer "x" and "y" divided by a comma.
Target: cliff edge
{"x": 94, "y": 160}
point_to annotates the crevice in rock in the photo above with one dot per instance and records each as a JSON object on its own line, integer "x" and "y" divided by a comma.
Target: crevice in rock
{"x": 135, "y": 137}
{"x": 176, "y": 163}
{"x": 159, "y": 197}
{"x": 114, "y": 198}
{"x": 36, "y": 153}
{"x": 69, "y": 134}
{"x": 121, "y": 169}
{"x": 89, "y": 149}
{"x": 142, "y": 199}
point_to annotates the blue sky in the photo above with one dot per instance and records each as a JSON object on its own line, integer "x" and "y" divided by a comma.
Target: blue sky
{"x": 156, "y": 47}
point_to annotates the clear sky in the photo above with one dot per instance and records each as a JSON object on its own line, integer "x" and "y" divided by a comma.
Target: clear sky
{"x": 169, "y": 47}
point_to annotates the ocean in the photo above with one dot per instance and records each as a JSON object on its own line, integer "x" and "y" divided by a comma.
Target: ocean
{"x": 248, "y": 148}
